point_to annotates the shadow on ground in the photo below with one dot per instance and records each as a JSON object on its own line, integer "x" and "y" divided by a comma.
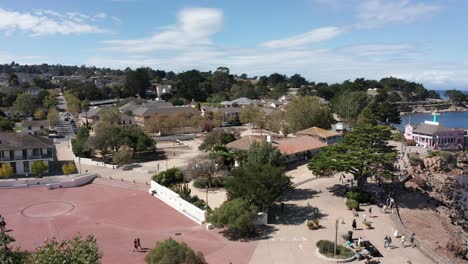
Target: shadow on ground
{"x": 293, "y": 214}
{"x": 261, "y": 233}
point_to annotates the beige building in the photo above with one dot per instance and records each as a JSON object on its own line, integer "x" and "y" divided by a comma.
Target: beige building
{"x": 21, "y": 150}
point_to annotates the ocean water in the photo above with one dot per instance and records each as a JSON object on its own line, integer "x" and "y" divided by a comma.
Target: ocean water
{"x": 448, "y": 119}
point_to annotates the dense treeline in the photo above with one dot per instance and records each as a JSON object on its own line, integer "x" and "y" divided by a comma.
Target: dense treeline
{"x": 218, "y": 85}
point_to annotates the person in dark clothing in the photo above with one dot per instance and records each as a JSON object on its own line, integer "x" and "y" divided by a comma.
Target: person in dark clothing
{"x": 354, "y": 224}
{"x": 138, "y": 243}
{"x": 135, "y": 245}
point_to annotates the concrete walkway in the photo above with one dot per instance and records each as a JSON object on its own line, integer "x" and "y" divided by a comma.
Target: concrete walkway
{"x": 292, "y": 242}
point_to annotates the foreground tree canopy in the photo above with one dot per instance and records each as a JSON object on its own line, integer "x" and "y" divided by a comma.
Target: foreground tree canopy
{"x": 364, "y": 152}
{"x": 173, "y": 252}
{"x": 77, "y": 250}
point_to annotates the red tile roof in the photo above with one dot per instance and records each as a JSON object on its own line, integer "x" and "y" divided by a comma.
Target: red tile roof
{"x": 299, "y": 144}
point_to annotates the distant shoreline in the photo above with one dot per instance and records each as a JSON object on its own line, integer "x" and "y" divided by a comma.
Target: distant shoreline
{"x": 451, "y": 109}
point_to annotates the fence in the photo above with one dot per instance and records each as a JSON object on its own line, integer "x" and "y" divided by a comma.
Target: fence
{"x": 420, "y": 245}
{"x": 173, "y": 200}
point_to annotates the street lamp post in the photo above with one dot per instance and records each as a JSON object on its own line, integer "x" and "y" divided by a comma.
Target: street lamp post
{"x": 336, "y": 233}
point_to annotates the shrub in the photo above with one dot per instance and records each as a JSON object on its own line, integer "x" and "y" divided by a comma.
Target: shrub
{"x": 368, "y": 224}
{"x": 169, "y": 177}
{"x": 314, "y": 224}
{"x": 185, "y": 193}
{"x": 359, "y": 196}
{"x": 171, "y": 251}
{"x": 326, "y": 248}
{"x": 202, "y": 183}
{"x": 415, "y": 160}
{"x": 352, "y": 204}
{"x": 237, "y": 215}
{"x": 458, "y": 250}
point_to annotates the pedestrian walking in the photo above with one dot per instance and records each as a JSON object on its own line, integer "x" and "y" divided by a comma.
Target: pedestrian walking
{"x": 359, "y": 242}
{"x": 402, "y": 241}
{"x": 364, "y": 218}
{"x": 2, "y": 224}
{"x": 385, "y": 242}
{"x": 354, "y": 224}
{"x": 138, "y": 243}
{"x": 412, "y": 240}
{"x": 135, "y": 245}
{"x": 389, "y": 241}
{"x": 370, "y": 212}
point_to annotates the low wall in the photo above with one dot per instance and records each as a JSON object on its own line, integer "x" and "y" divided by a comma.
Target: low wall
{"x": 87, "y": 161}
{"x": 75, "y": 182}
{"x": 173, "y": 200}
{"x": 50, "y": 182}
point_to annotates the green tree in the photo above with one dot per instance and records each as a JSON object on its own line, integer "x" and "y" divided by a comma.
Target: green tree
{"x": 349, "y": 104}
{"x": 169, "y": 177}
{"x": 136, "y": 139}
{"x": 364, "y": 152}
{"x": 6, "y": 125}
{"x": 68, "y": 168}
{"x": 77, "y": 250}
{"x": 192, "y": 85}
{"x": 216, "y": 137}
{"x": 457, "y": 97}
{"x": 122, "y": 157}
{"x": 173, "y": 252}
{"x": 264, "y": 153}
{"x": 260, "y": 184}
{"x": 307, "y": 111}
{"x": 297, "y": 80}
{"x": 50, "y": 101}
{"x": 53, "y": 117}
{"x": 24, "y": 103}
{"x": 39, "y": 167}
{"x": 13, "y": 80}
{"x": 73, "y": 103}
{"x": 8, "y": 255}
{"x": 6, "y": 170}
{"x": 80, "y": 143}
{"x": 137, "y": 82}
{"x": 277, "y": 122}
{"x": 237, "y": 215}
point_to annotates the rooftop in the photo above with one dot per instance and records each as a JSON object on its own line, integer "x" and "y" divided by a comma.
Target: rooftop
{"x": 12, "y": 141}
{"x": 293, "y": 145}
{"x": 318, "y": 132}
{"x": 245, "y": 142}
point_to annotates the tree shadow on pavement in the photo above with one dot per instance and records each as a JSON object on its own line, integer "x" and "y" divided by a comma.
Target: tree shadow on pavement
{"x": 261, "y": 233}
{"x": 338, "y": 190}
{"x": 293, "y": 214}
{"x": 300, "y": 194}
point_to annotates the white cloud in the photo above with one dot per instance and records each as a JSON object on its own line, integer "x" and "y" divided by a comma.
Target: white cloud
{"x": 313, "y": 36}
{"x": 375, "y": 13}
{"x": 382, "y": 49}
{"x": 194, "y": 27}
{"x": 46, "y": 22}
{"x": 436, "y": 76}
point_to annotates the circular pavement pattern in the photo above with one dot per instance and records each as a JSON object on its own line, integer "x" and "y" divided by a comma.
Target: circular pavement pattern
{"x": 47, "y": 209}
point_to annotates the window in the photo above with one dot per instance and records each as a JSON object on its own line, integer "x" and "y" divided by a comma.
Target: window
{"x": 36, "y": 152}
{"x": 42, "y": 127}
{"x": 29, "y": 128}
{"x": 12, "y": 154}
{"x": 25, "y": 153}
{"x": 26, "y": 166}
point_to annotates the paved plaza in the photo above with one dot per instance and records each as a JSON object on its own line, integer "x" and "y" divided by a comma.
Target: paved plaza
{"x": 115, "y": 216}
{"x": 292, "y": 242}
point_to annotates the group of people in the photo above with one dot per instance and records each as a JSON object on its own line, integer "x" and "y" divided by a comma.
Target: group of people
{"x": 387, "y": 241}
{"x": 2, "y": 223}
{"x": 137, "y": 244}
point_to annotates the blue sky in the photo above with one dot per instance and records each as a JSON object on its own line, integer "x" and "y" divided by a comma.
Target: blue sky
{"x": 324, "y": 40}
